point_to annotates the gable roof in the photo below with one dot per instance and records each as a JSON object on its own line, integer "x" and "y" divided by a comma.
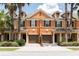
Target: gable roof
{"x": 39, "y": 10}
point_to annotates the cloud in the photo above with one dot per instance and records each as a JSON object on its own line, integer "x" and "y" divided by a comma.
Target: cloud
{"x": 49, "y": 7}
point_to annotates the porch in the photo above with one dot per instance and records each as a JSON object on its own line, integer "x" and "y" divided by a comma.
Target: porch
{"x": 52, "y": 39}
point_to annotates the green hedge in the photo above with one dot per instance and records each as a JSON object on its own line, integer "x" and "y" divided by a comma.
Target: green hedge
{"x": 8, "y": 44}
{"x": 69, "y": 44}
{"x": 20, "y": 42}
{"x": 16, "y": 43}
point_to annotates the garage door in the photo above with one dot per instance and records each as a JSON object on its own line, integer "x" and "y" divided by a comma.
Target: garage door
{"x": 33, "y": 38}
{"x": 47, "y": 39}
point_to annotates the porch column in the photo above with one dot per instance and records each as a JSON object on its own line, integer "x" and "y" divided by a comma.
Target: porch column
{"x": 60, "y": 37}
{"x": 77, "y": 37}
{"x": 19, "y": 36}
{"x": 66, "y": 37}
{"x": 53, "y": 38}
{"x": 27, "y": 38}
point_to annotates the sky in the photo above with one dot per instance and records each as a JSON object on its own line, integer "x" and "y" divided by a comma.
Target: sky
{"x": 48, "y": 7}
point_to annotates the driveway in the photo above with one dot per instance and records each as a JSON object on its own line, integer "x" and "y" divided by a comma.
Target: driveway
{"x": 37, "y": 47}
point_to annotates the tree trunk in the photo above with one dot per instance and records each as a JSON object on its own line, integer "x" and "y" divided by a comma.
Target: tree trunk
{"x": 66, "y": 15}
{"x": 12, "y": 28}
{"x": 66, "y": 11}
{"x": 19, "y": 20}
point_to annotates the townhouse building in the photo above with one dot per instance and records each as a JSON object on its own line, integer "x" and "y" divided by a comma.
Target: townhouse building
{"x": 51, "y": 28}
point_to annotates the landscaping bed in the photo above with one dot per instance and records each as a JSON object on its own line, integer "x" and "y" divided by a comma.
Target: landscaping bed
{"x": 68, "y": 43}
{"x": 75, "y": 49}
{"x": 16, "y": 43}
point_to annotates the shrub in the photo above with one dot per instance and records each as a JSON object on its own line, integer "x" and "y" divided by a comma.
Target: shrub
{"x": 69, "y": 44}
{"x": 20, "y": 42}
{"x": 14, "y": 44}
{"x": 8, "y": 44}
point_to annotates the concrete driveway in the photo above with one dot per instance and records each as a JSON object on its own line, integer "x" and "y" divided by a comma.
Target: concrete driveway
{"x": 37, "y": 47}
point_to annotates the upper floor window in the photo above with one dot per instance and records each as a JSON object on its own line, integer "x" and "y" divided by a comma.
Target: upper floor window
{"x": 47, "y": 23}
{"x": 33, "y": 23}
{"x": 68, "y": 23}
{"x": 72, "y": 23}
{"x": 22, "y": 23}
{"x": 58, "y": 23}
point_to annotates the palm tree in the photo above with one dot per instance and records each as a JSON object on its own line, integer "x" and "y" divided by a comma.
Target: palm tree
{"x": 2, "y": 27}
{"x": 66, "y": 16}
{"x": 66, "y": 13}
{"x": 71, "y": 15}
{"x": 20, "y": 5}
{"x": 4, "y": 23}
{"x": 11, "y": 8}
{"x": 73, "y": 7}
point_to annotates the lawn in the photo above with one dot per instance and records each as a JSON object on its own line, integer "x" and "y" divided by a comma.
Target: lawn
{"x": 75, "y": 49}
{"x": 8, "y": 49}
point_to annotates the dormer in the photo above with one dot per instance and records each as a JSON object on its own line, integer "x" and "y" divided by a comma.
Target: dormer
{"x": 23, "y": 15}
{"x": 66, "y": 15}
{"x": 56, "y": 14}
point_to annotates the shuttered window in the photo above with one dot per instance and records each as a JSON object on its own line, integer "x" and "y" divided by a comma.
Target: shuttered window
{"x": 58, "y": 23}
{"x": 33, "y": 23}
{"x": 47, "y": 23}
{"x": 22, "y": 23}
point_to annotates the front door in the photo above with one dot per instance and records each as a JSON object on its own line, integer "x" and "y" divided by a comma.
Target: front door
{"x": 24, "y": 36}
{"x": 57, "y": 38}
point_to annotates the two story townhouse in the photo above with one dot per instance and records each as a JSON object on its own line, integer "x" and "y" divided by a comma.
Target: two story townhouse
{"x": 51, "y": 28}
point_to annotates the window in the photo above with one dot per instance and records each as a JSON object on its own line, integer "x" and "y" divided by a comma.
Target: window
{"x": 47, "y": 23}
{"x": 58, "y": 23}
{"x": 22, "y": 23}
{"x": 33, "y": 23}
{"x": 68, "y": 23}
{"x": 72, "y": 23}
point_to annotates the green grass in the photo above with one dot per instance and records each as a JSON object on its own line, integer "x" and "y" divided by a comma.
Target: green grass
{"x": 8, "y": 49}
{"x": 75, "y": 49}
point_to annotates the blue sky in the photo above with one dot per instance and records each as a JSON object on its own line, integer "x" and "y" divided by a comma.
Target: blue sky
{"x": 35, "y": 6}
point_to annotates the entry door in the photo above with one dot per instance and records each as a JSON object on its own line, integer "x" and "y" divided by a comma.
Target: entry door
{"x": 57, "y": 38}
{"x": 24, "y": 36}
